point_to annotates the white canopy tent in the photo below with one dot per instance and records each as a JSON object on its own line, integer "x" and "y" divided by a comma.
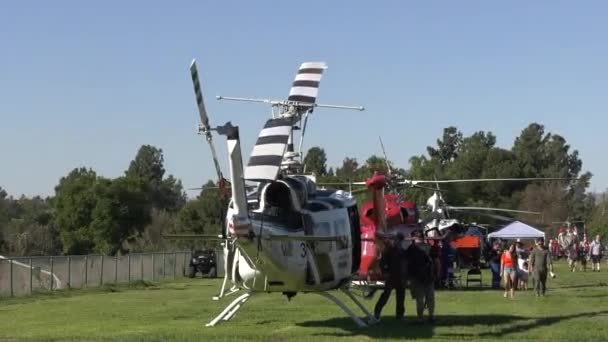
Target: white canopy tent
{"x": 517, "y": 230}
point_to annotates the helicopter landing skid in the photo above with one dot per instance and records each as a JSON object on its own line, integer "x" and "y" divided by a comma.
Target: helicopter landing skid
{"x": 349, "y": 312}
{"x": 230, "y": 310}
{"x": 370, "y": 318}
{"x": 222, "y": 294}
{"x": 234, "y": 289}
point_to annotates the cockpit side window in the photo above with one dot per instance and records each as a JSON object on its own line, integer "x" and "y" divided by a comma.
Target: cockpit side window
{"x": 278, "y": 196}
{"x": 299, "y": 188}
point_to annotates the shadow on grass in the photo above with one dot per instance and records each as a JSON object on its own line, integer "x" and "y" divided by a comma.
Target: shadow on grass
{"x": 536, "y": 323}
{"x": 598, "y": 284}
{"x": 392, "y": 328}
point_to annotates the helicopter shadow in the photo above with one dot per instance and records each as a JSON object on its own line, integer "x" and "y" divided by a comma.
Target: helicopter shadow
{"x": 535, "y": 323}
{"x": 409, "y": 329}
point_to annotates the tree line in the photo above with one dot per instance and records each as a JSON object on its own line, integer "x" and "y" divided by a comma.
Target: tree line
{"x": 89, "y": 213}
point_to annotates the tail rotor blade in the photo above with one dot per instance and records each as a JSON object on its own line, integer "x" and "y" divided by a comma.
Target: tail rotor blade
{"x": 204, "y": 127}
{"x": 198, "y": 92}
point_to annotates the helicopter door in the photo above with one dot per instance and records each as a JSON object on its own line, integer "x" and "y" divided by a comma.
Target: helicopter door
{"x": 355, "y": 235}
{"x": 322, "y": 252}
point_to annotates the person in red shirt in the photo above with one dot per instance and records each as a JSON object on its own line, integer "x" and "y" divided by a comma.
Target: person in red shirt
{"x": 508, "y": 270}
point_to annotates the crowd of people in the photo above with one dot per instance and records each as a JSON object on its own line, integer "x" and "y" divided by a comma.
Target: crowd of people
{"x": 578, "y": 252}
{"x": 515, "y": 265}
{"x": 421, "y": 267}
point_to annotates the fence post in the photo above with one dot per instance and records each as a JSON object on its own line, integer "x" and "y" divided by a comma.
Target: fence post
{"x": 184, "y": 265}
{"x": 115, "y": 268}
{"x": 31, "y": 277}
{"x": 141, "y": 265}
{"x": 164, "y": 265}
{"x": 86, "y": 271}
{"x": 129, "y": 267}
{"x": 174, "y": 264}
{"x": 153, "y": 265}
{"x": 10, "y": 261}
{"x": 69, "y": 272}
{"x": 52, "y": 274}
{"x": 101, "y": 272}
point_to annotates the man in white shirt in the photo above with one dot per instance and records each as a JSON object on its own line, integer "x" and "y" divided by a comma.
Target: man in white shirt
{"x": 595, "y": 250}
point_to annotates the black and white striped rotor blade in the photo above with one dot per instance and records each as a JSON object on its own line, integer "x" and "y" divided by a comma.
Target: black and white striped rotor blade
{"x": 305, "y": 87}
{"x": 198, "y": 92}
{"x": 267, "y": 155}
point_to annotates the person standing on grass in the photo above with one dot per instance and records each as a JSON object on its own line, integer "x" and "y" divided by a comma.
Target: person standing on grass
{"x": 394, "y": 267}
{"x": 540, "y": 263}
{"x": 422, "y": 272}
{"x": 595, "y": 250}
{"x": 508, "y": 268}
{"x": 582, "y": 255}
{"x": 495, "y": 265}
{"x": 573, "y": 255}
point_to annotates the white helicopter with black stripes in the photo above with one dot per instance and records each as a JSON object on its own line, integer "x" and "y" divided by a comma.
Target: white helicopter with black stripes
{"x": 286, "y": 236}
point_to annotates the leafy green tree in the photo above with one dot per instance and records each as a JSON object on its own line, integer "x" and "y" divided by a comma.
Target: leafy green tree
{"x": 120, "y": 215}
{"x": 3, "y": 218}
{"x": 376, "y": 164}
{"x": 348, "y": 170}
{"x": 75, "y": 200}
{"x": 580, "y": 203}
{"x": 170, "y": 195}
{"x": 447, "y": 146}
{"x": 598, "y": 224}
{"x": 148, "y": 168}
{"x": 501, "y": 163}
{"x": 315, "y": 161}
{"x": 205, "y": 214}
{"x": 528, "y": 149}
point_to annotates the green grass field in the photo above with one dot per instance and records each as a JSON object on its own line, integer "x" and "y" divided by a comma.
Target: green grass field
{"x": 575, "y": 309}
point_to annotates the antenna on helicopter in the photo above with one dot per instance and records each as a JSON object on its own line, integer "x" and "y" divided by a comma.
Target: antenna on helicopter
{"x": 388, "y": 166}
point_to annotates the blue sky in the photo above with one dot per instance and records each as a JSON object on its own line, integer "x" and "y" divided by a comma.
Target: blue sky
{"x": 87, "y": 83}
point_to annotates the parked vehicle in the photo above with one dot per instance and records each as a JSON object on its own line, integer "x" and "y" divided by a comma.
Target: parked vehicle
{"x": 203, "y": 261}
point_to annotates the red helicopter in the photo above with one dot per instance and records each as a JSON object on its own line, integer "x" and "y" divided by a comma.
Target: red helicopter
{"x": 384, "y": 216}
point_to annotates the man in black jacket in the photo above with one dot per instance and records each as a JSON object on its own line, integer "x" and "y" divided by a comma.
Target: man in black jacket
{"x": 422, "y": 274}
{"x": 394, "y": 267}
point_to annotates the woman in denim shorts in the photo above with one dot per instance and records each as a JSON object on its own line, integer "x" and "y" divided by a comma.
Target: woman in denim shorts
{"x": 508, "y": 270}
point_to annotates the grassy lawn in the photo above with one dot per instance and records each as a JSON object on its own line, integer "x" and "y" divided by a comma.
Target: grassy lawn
{"x": 575, "y": 309}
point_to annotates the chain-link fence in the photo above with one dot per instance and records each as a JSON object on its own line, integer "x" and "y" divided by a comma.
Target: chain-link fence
{"x": 27, "y": 275}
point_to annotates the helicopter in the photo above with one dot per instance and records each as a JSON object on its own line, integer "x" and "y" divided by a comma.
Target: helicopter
{"x": 285, "y": 236}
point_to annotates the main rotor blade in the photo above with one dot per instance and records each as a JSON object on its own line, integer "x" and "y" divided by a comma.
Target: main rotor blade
{"x": 414, "y": 182}
{"x": 302, "y": 238}
{"x": 192, "y": 237}
{"x": 431, "y": 189}
{"x": 305, "y": 87}
{"x": 497, "y": 217}
{"x": 494, "y": 209}
{"x": 341, "y": 184}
